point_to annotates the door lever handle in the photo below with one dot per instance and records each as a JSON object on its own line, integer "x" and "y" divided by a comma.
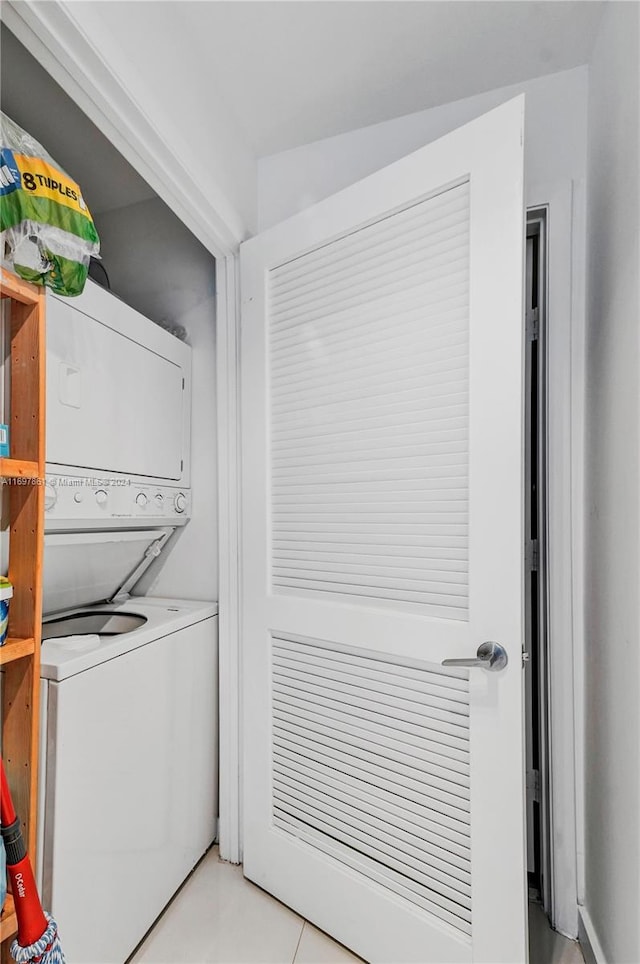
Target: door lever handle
{"x": 490, "y": 656}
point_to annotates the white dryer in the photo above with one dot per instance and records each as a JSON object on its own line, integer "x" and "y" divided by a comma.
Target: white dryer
{"x": 118, "y": 393}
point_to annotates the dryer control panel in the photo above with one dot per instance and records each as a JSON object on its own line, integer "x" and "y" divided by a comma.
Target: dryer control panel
{"x": 92, "y": 502}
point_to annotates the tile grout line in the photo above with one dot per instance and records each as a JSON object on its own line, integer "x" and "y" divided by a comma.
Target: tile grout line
{"x": 295, "y": 953}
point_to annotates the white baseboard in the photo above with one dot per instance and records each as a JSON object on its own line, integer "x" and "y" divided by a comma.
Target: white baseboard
{"x": 591, "y": 947}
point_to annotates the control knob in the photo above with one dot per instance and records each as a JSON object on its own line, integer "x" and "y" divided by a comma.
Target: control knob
{"x": 180, "y": 502}
{"x": 141, "y": 499}
{"x": 159, "y": 500}
{"x": 101, "y": 497}
{"x": 50, "y": 496}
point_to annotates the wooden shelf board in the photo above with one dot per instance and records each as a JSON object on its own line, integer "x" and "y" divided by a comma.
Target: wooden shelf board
{"x": 8, "y": 921}
{"x": 16, "y": 649}
{"x": 11, "y": 286}
{"x": 18, "y": 469}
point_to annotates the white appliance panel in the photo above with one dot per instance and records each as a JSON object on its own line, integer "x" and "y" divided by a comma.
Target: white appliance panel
{"x": 81, "y": 502}
{"x": 81, "y": 568}
{"x": 112, "y": 823}
{"x": 115, "y": 390}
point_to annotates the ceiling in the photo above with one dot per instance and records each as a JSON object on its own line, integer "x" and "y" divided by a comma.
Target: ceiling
{"x": 294, "y": 72}
{"x": 287, "y": 72}
{"x": 39, "y": 105}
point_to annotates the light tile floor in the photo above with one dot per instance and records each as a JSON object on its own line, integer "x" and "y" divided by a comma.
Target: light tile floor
{"x": 218, "y": 917}
{"x": 547, "y": 946}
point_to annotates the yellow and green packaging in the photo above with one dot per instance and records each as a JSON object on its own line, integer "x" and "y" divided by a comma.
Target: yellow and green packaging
{"x": 47, "y": 229}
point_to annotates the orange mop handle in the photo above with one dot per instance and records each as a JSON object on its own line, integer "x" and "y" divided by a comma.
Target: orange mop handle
{"x": 31, "y": 920}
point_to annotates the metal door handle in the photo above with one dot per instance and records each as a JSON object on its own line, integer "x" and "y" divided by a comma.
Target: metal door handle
{"x": 491, "y": 656}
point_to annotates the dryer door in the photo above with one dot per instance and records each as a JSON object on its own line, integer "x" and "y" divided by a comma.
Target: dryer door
{"x": 115, "y": 390}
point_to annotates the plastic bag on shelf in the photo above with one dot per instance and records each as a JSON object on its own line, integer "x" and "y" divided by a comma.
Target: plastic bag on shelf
{"x": 46, "y": 231}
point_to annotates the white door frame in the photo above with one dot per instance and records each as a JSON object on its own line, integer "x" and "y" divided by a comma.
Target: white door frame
{"x": 229, "y": 547}
{"x": 565, "y": 460}
{"x": 52, "y": 35}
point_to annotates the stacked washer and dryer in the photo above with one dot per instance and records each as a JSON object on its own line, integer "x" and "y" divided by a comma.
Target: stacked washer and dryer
{"x": 129, "y": 684}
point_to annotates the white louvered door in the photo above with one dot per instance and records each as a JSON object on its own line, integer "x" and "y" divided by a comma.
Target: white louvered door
{"x": 382, "y": 534}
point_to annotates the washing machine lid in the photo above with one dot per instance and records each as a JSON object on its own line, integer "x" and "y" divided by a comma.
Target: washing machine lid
{"x": 82, "y": 568}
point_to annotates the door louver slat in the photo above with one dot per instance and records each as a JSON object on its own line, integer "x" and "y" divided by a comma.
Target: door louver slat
{"x": 417, "y": 310}
{"x": 378, "y": 680}
{"x": 378, "y": 735}
{"x": 443, "y": 744}
{"x": 406, "y": 815}
{"x": 369, "y": 867}
{"x": 393, "y": 232}
{"x": 357, "y": 812}
{"x": 380, "y": 670}
{"x": 364, "y": 412}
{"x": 443, "y": 824}
{"x": 370, "y": 764}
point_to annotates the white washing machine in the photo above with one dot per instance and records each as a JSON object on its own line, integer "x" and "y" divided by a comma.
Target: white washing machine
{"x": 129, "y": 766}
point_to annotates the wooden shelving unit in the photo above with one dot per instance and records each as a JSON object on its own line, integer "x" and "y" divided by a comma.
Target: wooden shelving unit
{"x": 7, "y": 921}
{"x": 18, "y": 469}
{"x": 23, "y": 487}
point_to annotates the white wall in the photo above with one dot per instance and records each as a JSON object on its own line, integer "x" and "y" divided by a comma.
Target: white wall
{"x": 612, "y": 669}
{"x": 555, "y": 131}
{"x": 157, "y": 266}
